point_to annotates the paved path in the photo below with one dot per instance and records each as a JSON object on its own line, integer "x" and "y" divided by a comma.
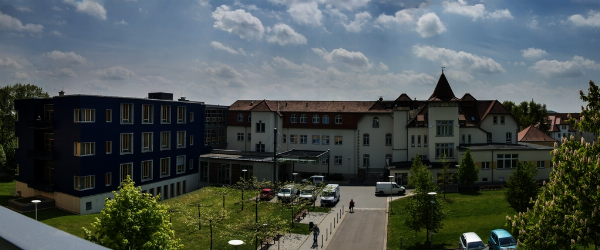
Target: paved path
{"x": 363, "y": 229}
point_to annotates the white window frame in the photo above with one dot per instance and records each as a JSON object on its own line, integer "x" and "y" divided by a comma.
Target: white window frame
{"x": 87, "y": 182}
{"x": 541, "y": 164}
{"x": 146, "y": 170}
{"x": 366, "y": 140}
{"x": 127, "y": 113}
{"x": 260, "y": 147}
{"x": 109, "y": 115}
{"x": 303, "y": 139}
{"x": 166, "y": 160}
{"x": 316, "y": 140}
{"x": 504, "y": 160}
{"x": 338, "y": 119}
{"x": 129, "y": 169}
{"x": 366, "y": 160}
{"x": 293, "y": 139}
{"x": 325, "y": 119}
{"x": 108, "y": 146}
{"x": 388, "y": 139}
{"x": 293, "y": 118}
{"x": 84, "y": 148}
{"x": 303, "y": 118}
{"x": 240, "y": 136}
{"x": 240, "y": 117}
{"x": 508, "y": 137}
{"x": 149, "y": 142}
{"x": 325, "y": 139}
{"x": 162, "y": 140}
{"x": 181, "y": 139}
{"x": 181, "y": 113}
{"x": 260, "y": 127}
{"x": 444, "y": 128}
{"x": 337, "y": 160}
{"x": 129, "y": 145}
{"x": 149, "y": 113}
{"x": 315, "y": 119}
{"x": 444, "y": 148}
{"x": 485, "y": 165}
{"x": 165, "y": 114}
{"x": 84, "y": 115}
{"x": 180, "y": 167}
{"x": 340, "y": 141}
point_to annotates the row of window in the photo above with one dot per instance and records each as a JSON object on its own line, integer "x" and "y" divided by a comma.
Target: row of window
{"x": 502, "y": 120}
{"x": 126, "y": 169}
{"x": 126, "y": 142}
{"x": 316, "y": 119}
{"x": 412, "y": 140}
{"x": 126, "y": 117}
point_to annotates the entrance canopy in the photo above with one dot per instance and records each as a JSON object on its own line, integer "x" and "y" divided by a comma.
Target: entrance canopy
{"x": 303, "y": 156}
{"x": 294, "y": 155}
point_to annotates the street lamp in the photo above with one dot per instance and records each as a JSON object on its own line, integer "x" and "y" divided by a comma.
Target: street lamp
{"x": 235, "y": 243}
{"x": 391, "y": 193}
{"x": 432, "y": 194}
{"x": 36, "y": 202}
{"x": 294, "y": 176}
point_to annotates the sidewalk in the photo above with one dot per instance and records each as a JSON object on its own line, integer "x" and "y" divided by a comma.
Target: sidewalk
{"x": 333, "y": 217}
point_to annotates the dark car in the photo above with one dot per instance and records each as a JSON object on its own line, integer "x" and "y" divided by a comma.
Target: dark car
{"x": 267, "y": 194}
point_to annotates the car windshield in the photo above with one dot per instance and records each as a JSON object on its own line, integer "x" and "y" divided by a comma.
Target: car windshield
{"x": 285, "y": 190}
{"x": 306, "y": 191}
{"x": 476, "y": 245}
{"x": 507, "y": 241}
{"x": 265, "y": 192}
{"x": 328, "y": 194}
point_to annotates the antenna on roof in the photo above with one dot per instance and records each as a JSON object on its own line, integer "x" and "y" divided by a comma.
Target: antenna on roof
{"x": 443, "y": 69}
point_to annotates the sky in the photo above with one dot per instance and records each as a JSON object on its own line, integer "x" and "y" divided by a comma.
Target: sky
{"x": 353, "y": 50}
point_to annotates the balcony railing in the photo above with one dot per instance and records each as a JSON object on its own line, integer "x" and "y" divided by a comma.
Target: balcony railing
{"x": 40, "y": 154}
{"x": 42, "y": 186}
{"x": 35, "y": 124}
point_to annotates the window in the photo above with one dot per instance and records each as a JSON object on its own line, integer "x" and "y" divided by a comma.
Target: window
{"x": 85, "y": 148}
{"x": 284, "y": 138}
{"x": 126, "y": 170}
{"x": 388, "y": 139}
{"x": 376, "y": 122}
{"x": 303, "y": 139}
{"x": 508, "y": 137}
{"x": 366, "y": 140}
{"x": 260, "y": 147}
{"x": 444, "y": 128}
{"x": 541, "y": 164}
{"x": 126, "y": 113}
{"x": 469, "y": 138}
{"x": 325, "y": 161}
{"x": 325, "y": 139}
{"x": 337, "y": 160}
{"x": 180, "y": 139}
{"x": 88, "y": 205}
{"x": 165, "y": 140}
{"x": 366, "y": 160}
{"x": 388, "y": 159}
{"x": 489, "y": 137}
{"x": 338, "y": 119}
{"x": 249, "y": 117}
{"x": 181, "y": 114}
{"x": 325, "y": 119}
{"x": 126, "y": 143}
{"x": 191, "y": 116}
{"x": 485, "y": 165}
{"x": 507, "y": 160}
{"x": 85, "y": 115}
{"x": 146, "y": 170}
{"x": 442, "y": 149}
{"x": 260, "y": 127}
{"x": 338, "y": 140}
{"x": 109, "y": 147}
{"x": 303, "y": 118}
{"x": 181, "y": 164}
{"x": 316, "y": 139}
{"x": 109, "y": 115}
{"x": 191, "y": 164}
{"x": 495, "y": 120}
{"x": 425, "y": 140}
{"x": 240, "y": 117}
{"x": 85, "y": 182}
{"x": 165, "y": 114}
{"x": 412, "y": 140}
{"x": 108, "y": 179}
{"x": 315, "y": 119}
{"x": 293, "y": 139}
{"x": 147, "y": 114}
{"x": 240, "y": 136}
{"x": 294, "y": 118}
{"x": 463, "y": 138}
{"x": 249, "y": 137}
{"x": 418, "y": 140}
{"x": 165, "y": 166}
{"x": 191, "y": 140}
{"x": 147, "y": 142}
{"x": 502, "y": 120}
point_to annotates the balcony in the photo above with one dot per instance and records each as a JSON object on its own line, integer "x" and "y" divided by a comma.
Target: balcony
{"x": 35, "y": 124}
{"x": 41, "y": 186}
{"x": 40, "y": 154}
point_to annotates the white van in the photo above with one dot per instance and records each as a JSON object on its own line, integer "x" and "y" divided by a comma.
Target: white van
{"x": 389, "y": 188}
{"x": 330, "y": 194}
{"x": 317, "y": 179}
{"x": 308, "y": 193}
{"x": 287, "y": 193}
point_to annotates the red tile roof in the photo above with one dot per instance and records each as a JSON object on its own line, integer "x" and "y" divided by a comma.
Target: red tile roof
{"x": 310, "y": 106}
{"x": 533, "y": 134}
{"x": 557, "y": 119}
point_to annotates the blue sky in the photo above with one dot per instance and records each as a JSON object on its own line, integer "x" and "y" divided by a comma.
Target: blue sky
{"x": 222, "y": 51}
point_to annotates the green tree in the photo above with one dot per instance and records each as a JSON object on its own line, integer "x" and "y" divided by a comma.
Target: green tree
{"x": 522, "y": 187}
{"x": 529, "y": 113}
{"x": 133, "y": 220}
{"x": 2, "y": 158}
{"x": 468, "y": 172}
{"x": 446, "y": 177}
{"x": 419, "y": 205}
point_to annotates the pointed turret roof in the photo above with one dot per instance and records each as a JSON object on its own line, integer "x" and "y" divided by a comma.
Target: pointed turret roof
{"x": 443, "y": 91}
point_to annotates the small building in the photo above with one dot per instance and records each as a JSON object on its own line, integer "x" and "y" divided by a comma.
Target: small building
{"x": 534, "y": 135}
{"x": 559, "y": 127}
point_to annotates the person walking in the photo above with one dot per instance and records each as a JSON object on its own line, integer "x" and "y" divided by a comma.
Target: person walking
{"x": 316, "y": 232}
{"x": 351, "y": 206}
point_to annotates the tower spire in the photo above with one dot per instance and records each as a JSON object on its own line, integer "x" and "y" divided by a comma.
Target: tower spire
{"x": 443, "y": 69}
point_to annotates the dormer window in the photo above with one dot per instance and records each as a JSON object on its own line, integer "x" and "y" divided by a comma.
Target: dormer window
{"x": 315, "y": 119}
{"x": 462, "y": 123}
{"x": 303, "y": 118}
{"x": 376, "y": 122}
{"x": 294, "y": 118}
{"x": 249, "y": 117}
{"x": 420, "y": 123}
{"x": 240, "y": 117}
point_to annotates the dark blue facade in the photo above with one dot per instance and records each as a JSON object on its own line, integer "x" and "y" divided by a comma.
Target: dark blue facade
{"x": 47, "y": 140}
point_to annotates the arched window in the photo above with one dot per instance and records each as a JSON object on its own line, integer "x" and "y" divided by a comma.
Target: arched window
{"x": 315, "y": 119}
{"x": 376, "y": 122}
{"x": 302, "y": 118}
{"x": 338, "y": 119}
{"x": 240, "y": 117}
{"x": 325, "y": 119}
{"x": 294, "y": 118}
{"x": 249, "y": 117}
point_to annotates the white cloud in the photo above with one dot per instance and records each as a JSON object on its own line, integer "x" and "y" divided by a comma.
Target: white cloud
{"x": 56, "y": 8}
{"x": 461, "y": 60}
{"x": 402, "y": 17}
{"x": 223, "y": 71}
{"x": 430, "y": 25}
{"x": 360, "y": 19}
{"x": 89, "y": 7}
{"x": 9, "y": 63}
{"x": 533, "y": 24}
{"x": 284, "y": 34}
{"x": 500, "y": 14}
{"x": 23, "y": 9}
{"x": 114, "y": 73}
{"x": 18, "y": 75}
{"x": 306, "y": 13}
{"x": 383, "y": 67}
{"x": 10, "y": 23}
{"x": 533, "y": 53}
{"x": 518, "y": 63}
{"x": 238, "y": 22}
{"x": 63, "y": 72}
{"x": 457, "y": 75}
{"x": 122, "y": 22}
{"x": 593, "y": 19}
{"x": 56, "y": 33}
{"x": 204, "y": 3}
{"x": 65, "y": 57}
{"x": 218, "y": 45}
{"x": 566, "y": 69}
{"x": 355, "y": 60}
{"x": 475, "y": 11}
{"x": 157, "y": 80}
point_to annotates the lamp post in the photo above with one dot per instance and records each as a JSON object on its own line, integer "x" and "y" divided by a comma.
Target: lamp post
{"x": 391, "y": 193}
{"x": 294, "y": 176}
{"x": 36, "y": 202}
{"x": 244, "y": 186}
{"x": 432, "y": 194}
{"x": 235, "y": 243}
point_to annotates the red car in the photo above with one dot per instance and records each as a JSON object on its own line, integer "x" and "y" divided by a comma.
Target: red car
{"x": 267, "y": 194}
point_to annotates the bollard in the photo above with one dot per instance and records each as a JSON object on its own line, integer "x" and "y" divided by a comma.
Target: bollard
{"x": 330, "y": 228}
{"x": 326, "y": 238}
{"x": 343, "y": 209}
{"x": 321, "y": 241}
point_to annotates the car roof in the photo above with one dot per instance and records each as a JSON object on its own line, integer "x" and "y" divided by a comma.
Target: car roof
{"x": 501, "y": 233}
{"x": 308, "y": 187}
{"x": 266, "y": 189}
{"x": 471, "y": 237}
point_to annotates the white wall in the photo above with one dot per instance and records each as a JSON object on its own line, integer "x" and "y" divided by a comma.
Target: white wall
{"x": 400, "y": 135}
{"x": 442, "y": 114}
{"x": 233, "y": 143}
{"x": 499, "y": 130}
{"x": 376, "y": 149}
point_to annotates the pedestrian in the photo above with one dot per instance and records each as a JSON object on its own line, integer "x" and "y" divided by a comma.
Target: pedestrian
{"x": 316, "y": 232}
{"x": 351, "y": 206}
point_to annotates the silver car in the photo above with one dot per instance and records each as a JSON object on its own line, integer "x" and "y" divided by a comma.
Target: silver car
{"x": 470, "y": 241}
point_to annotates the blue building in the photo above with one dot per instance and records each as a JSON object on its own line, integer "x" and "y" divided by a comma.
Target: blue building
{"x": 76, "y": 149}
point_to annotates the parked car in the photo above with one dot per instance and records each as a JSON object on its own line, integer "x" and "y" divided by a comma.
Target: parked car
{"x": 267, "y": 194}
{"x": 470, "y": 241}
{"x": 287, "y": 193}
{"x": 500, "y": 239}
{"x": 330, "y": 194}
{"x": 308, "y": 193}
{"x": 382, "y": 188}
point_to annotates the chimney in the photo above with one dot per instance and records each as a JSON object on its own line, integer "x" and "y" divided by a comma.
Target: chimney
{"x": 61, "y": 93}
{"x": 182, "y": 99}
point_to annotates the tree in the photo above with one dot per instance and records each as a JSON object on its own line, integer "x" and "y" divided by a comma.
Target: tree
{"x": 445, "y": 178}
{"x": 133, "y": 220}
{"x": 419, "y": 205}
{"x": 565, "y": 214}
{"x": 529, "y": 113}
{"x": 521, "y": 186}
{"x": 468, "y": 172}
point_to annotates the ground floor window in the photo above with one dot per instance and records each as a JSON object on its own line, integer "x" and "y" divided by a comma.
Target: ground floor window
{"x": 446, "y": 149}
{"x": 337, "y": 160}
{"x": 507, "y": 160}
{"x": 224, "y": 174}
{"x": 85, "y": 182}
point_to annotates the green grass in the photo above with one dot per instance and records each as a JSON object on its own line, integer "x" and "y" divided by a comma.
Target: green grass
{"x": 7, "y": 190}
